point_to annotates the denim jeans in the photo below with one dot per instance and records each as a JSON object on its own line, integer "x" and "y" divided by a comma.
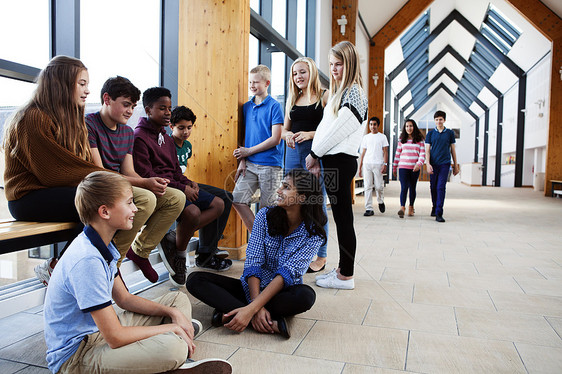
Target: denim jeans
{"x": 296, "y": 158}
{"x": 437, "y": 182}
{"x": 408, "y": 181}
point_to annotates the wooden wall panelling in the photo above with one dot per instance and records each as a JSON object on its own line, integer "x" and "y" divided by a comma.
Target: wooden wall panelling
{"x": 348, "y": 8}
{"x": 212, "y": 81}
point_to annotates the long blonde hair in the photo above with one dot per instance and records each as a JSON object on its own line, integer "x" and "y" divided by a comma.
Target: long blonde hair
{"x": 313, "y": 87}
{"x": 347, "y": 53}
{"x": 55, "y": 97}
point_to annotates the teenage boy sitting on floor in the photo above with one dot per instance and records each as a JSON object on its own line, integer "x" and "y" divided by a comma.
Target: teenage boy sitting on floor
{"x": 209, "y": 256}
{"x": 261, "y": 157}
{"x": 82, "y": 331}
{"x": 154, "y": 155}
{"x": 111, "y": 141}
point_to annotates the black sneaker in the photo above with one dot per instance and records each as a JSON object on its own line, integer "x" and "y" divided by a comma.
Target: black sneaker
{"x": 433, "y": 211}
{"x": 369, "y": 213}
{"x": 167, "y": 251}
{"x": 382, "y": 207}
{"x": 221, "y": 253}
{"x": 207, "y": 365}
{"x": 213, "y": 263}
{"x": 180, "y": 271}
{"x": 439, "y": 219}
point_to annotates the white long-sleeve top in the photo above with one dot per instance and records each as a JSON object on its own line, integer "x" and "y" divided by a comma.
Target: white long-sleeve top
{"x": 342, "y": 133}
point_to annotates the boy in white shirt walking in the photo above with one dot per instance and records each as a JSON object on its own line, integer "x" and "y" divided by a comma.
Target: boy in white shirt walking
{"x": 373, "y": 164}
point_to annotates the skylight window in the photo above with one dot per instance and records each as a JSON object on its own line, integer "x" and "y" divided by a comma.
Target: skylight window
{"x": 499, "y": 30}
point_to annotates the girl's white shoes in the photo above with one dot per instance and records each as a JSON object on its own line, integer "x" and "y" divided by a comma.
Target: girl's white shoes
{"x": 331, "y": 280}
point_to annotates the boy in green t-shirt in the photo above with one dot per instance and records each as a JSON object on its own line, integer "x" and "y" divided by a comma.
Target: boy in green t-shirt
{"x": 208, "y": 255}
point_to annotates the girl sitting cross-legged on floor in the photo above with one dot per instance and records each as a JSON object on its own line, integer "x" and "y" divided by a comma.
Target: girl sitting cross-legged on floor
{"x": 284, "y": 240}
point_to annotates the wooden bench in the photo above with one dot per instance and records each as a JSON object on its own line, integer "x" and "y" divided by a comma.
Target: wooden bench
{"x": 18, "y": 235}
{"x": 553, "y": 190}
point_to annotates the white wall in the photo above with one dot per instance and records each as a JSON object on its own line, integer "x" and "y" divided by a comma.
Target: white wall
{"x": 323, "y": 35}
{"x": 362, "y": 45}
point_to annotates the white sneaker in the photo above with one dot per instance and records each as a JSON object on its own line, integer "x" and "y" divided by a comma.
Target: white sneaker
{"x": 208, "y": 365}
{"x": 326, "y": 275}
{"x": 335, "y": 282}
{"x": 43, "y": 271}
{"x": 197, "y": 327}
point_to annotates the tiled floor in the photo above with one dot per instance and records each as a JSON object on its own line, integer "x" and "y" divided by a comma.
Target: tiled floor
{"x": 481, "y": 293}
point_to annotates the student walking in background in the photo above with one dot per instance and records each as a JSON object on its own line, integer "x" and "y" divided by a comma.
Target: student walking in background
{"x": 373, "y": 164}
{"x": 440, "y": 145}
{"x": 336, "y": 142}
{"x": 408, "y": 160}
{"x": 303, "y": 113}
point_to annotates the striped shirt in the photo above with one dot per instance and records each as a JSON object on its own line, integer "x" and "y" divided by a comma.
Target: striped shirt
{"x": 113, "y": 145}
{"x": 408, "y": 155}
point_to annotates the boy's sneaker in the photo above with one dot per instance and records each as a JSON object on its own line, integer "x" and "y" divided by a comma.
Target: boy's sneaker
{"x": 382, "y": 207}
{"x": 213, "y": 263}
{"x": 167, "y": 251}
{"x": 197, "y": 327}
{"x": 208, "y": 365}
{"x": 439, "y": 219}
{"x": 180, "y": 271}
{"x": 221, "y": 253}
{"x": 144, "y": 265}
{"x": 369, "y": 213}
{"x": 43, "y": 271}
{"x": 432, "y": 212}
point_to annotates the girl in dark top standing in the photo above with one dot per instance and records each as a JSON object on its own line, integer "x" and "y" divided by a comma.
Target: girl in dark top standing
{"x": 283, "y": 241}
{"x": 303, "y": 113}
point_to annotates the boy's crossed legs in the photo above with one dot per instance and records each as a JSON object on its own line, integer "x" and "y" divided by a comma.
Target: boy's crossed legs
{"x": 158, "y": 214}
{"x": 206, "y": 209}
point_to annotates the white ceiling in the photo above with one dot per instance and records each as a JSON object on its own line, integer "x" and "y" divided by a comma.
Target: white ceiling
{"x": 526, "y": 52}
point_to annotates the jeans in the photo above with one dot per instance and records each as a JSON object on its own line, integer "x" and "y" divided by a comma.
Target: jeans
{"x": 339, "y": 171}
{"x": 408, "y": 180}
{"x": 296, "y": 159}
{"x": 210, "y": 235}
{"x": 437, "y": 182}
{"x": 226, "y": 294}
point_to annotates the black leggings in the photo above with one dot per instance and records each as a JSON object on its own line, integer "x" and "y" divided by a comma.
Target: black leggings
{"x": 226, "y": 294}
{"x": 54, "y": 204}
{"x": 339, "y": 171}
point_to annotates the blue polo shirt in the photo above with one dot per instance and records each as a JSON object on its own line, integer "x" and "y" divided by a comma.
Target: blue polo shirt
{"x": 440, "y": 146}
{"x": 258, "y": 121}
{"x": 81, "y": 283}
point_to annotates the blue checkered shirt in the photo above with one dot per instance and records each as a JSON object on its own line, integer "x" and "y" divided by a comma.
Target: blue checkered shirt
{"x": 267, "y": 256}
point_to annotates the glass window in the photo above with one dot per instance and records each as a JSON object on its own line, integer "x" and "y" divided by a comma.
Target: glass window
{"x": 14, "y": 93}
{"x": 278, "y": 77}
{"x": 301, "y": 26}
{"x": 24, "y": 26}
{"x": 253, "y": 59}
{"x": 255, "y": 5}
{"x": 279, "y": 17}
{"x": 124, "y": 41}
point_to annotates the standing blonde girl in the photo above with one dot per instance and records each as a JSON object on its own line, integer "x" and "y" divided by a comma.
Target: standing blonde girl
{"x": 303, "y": 113}
{"x": 336, "y": 143}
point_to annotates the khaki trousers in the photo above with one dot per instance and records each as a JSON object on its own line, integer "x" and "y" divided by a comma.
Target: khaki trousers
{"x": 158, "y": 213}
{"x": 156, "y": 354}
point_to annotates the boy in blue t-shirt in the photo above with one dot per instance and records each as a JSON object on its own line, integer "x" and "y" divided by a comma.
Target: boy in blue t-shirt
{"x": 440, "y": 146}
{"x": 261, "y": 157}
{"x": 83, "y": 333}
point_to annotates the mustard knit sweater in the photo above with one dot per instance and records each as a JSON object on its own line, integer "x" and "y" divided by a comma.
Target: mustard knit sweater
{"x": 40, "y": 161}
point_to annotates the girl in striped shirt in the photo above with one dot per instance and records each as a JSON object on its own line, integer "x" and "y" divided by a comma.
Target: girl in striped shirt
{"x": 409, "y": 158}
